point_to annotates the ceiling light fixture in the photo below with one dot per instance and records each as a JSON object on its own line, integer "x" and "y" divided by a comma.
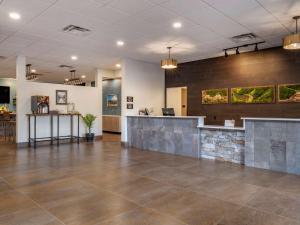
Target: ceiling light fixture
{"x": 177, "y": 25}
{"x": 14, "y": 15}
{"x": 120, "y": 43}
{"x": 74, "y": 57}
{"x": 292, "y": 41}
{"x": 83, "y": 76}
{"x": 118, "y": 65}
{"x": 73, "y": 80}
{"x": 31, "y": 73}
{"x": 237, "y": 48}
{"x": 169, "y": 63}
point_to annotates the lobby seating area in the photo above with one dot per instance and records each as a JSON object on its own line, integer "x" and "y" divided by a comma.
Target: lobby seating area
{"x": 113, "y": 185}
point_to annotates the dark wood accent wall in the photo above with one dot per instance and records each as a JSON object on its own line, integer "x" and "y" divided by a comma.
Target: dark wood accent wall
{"x": 266, "y": 67}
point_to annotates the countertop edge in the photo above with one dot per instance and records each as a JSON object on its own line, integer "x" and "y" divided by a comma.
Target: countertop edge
{"x": 271, "y": 119}
{"x": 221, "y": 128}
{"x": 171, "y": 117}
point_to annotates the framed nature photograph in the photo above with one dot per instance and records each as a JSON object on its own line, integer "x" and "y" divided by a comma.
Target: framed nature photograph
{"x": 112, "y": 100}
{"x": 215, "y": 96}
{"x": 289, "y": 93}
{"x": 61, "y": 97}
{"x": 253, "y": 95}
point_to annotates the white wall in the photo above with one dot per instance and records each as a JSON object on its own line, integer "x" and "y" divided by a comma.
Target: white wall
{"x": 86, "y": 99}
{"x": 146, "y": 83}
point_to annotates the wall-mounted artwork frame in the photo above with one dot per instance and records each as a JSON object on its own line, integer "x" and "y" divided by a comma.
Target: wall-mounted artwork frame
{"x": 129, "y": 106}
{"x": 61, "y": 97}
{"x": 253, "y": 95}
{"x": 112, "y": 100}
{"x": 215, "y": 96}
{"x": 288, "y": 93}
{"x": 129, "y": 98}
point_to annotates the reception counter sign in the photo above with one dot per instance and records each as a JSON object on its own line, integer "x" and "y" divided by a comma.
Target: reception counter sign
{"x": 252, "y": 95}
{"x": 215, "y": 96}
{"x": 289, "y": 93}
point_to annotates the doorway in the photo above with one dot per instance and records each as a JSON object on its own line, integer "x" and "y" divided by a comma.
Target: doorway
{"x": 177, "y": 99}
{"x": 111, "y": 108}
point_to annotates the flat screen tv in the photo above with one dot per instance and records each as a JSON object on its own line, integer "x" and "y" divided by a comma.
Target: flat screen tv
{"x": 4, "y": 95}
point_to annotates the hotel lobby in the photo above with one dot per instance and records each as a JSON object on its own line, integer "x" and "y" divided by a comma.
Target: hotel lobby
{"x": 149, "y": 112}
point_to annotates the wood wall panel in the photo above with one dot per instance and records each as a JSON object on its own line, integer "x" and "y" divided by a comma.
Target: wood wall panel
{"x": 267, "y": 67}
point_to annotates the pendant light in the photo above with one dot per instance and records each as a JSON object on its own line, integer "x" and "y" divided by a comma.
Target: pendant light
{"x": 29, "y": 74}
{"x": 169, "y": 63}
{"x": 292, "y": 41}
{"x": 73, "y": 80}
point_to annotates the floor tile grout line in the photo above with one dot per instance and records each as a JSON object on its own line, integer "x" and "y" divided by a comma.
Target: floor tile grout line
{"x": 240, "y": 206}
{"x": 130, "y": 200}
{"x": 36, "y": 204}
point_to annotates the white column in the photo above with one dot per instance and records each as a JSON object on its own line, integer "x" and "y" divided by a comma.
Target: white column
{"x": 98, "y": 83}
{"x": 20, "y": 79}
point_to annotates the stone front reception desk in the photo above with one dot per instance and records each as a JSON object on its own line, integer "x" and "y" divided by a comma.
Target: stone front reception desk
{"x": 267, "y": 143}
{"x": 273, "y": 143}
{"x": 174, "y": 134}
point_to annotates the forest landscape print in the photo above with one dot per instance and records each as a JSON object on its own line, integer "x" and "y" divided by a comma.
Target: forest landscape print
{"x": 252, "y": 95}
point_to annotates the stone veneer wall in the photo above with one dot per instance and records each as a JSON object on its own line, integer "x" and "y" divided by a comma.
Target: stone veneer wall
{"x": 221, "y": 144}
{"x": 168, "y": 135}
{"x": 273, "y": 145}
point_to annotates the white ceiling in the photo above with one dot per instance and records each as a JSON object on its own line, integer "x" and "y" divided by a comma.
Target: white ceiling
{"x": 144, "y": 25}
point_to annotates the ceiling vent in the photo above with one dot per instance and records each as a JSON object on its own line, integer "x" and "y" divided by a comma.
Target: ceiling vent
{"x": 66, "y": 66}
{"x": 244, "y": 38}
{"x": 76, "y": 30}
{"x": 2, "y": 57}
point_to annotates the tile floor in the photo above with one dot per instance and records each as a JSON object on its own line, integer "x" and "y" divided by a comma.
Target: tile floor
{"x": 105, "y": 184}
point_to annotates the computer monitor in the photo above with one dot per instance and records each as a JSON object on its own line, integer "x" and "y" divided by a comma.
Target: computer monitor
{"x": 168, "y": 111}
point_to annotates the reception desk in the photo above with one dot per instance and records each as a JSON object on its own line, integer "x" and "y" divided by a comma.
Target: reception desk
{"x": 273, "y": 143}
{"x": 267, "y": 143}
{"x": 168, "y": 134}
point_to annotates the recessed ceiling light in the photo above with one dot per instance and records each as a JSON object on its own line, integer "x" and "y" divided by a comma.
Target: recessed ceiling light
{"x": 177, "y": 25}
{"x": 74, "y": 57}
{"x": 83, "y": 76}
{"x": 118, "y": 65}
{"x": 120, "y": 43}
{"x": 14, "y": 16}
{"x": 33, "y": 70}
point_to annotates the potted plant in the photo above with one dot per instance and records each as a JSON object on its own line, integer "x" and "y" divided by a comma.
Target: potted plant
{"x": 89, "y": 120}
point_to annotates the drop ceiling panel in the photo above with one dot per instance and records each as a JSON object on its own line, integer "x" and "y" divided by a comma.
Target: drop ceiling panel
{"x": 131, "y": 7}
{"x": 205, "y": 16}
{"x": 144, "y": 25}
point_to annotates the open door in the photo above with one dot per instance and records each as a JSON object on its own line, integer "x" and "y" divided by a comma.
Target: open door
{"x": 177, "y": 99}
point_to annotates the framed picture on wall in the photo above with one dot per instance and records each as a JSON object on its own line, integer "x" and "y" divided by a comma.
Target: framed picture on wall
{"x": 215, "y": 96}
{"x": 288, "y": 93}
{"x": 61, "y": 97}
{"x": 112, "y": 100}
{"x": 129, "y": 106}
{"x": 253, "y": 95}
{"x": 129, "y": 99}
